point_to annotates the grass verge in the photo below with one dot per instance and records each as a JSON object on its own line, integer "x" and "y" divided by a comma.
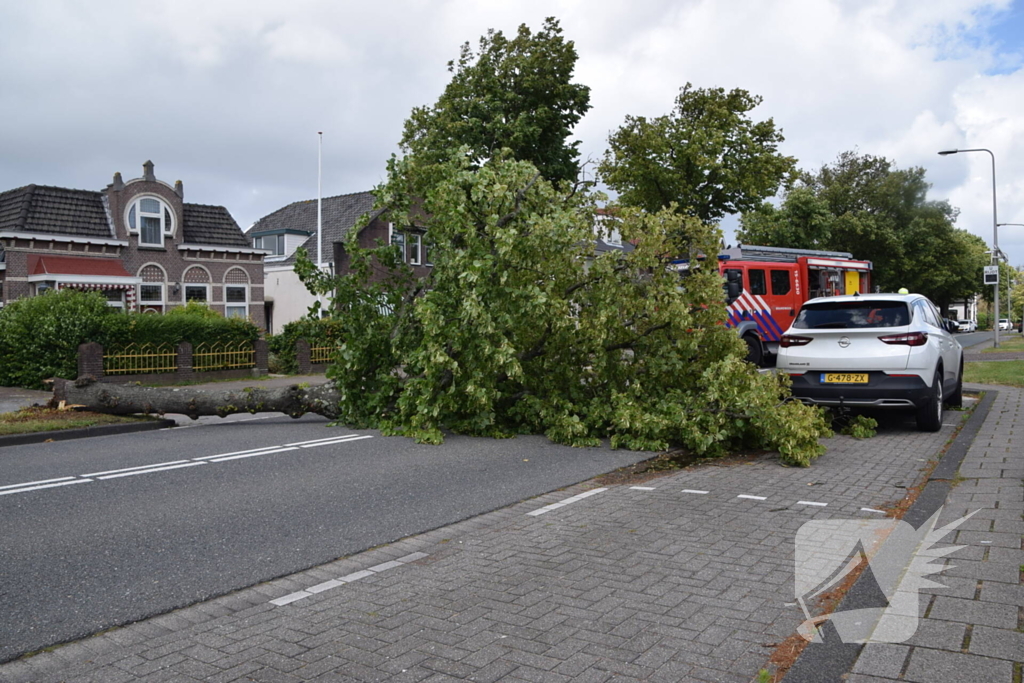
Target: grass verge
{"x": 35, "y": 419}
{"x": 1008, "y": 341}
{"x": 1005, "y": 372}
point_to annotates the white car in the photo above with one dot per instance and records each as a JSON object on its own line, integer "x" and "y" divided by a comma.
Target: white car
{"x": 1004, "y": 324}
{"x": 966, "y": 326}
{"x": 887, "y": 351}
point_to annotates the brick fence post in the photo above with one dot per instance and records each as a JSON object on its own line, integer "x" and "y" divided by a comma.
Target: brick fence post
{"x": 262, "y": 357}
{"x": 185, "y": 360}
{"x": 302, "y": 357}
{"x": 90, "y": 360}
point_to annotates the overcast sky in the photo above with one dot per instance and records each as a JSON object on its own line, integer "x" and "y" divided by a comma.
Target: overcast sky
{"x": 228, "y": 96}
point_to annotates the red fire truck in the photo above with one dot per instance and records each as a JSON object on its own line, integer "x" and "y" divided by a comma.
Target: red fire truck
{"x": 765, "y": 287}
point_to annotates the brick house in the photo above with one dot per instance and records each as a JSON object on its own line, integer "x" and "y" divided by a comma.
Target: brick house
{"x": 137, "y": 242}
{"x": 287, "y": 298}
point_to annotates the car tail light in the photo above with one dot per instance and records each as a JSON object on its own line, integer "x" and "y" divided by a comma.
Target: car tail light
{"x": 909, "y": 339}
{"x": 793, "y": 340}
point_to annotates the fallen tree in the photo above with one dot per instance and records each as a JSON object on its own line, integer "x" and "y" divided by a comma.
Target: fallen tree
{"x": 129, "y": 399}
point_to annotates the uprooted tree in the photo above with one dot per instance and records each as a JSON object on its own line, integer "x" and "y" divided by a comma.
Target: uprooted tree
{"x": 521, "y": 328}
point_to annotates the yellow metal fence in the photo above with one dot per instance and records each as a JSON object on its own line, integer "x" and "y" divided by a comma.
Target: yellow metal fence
{"x": 321, "y": 354}
{"x": 206, "y": 357}
{"x": 141, "y": 359}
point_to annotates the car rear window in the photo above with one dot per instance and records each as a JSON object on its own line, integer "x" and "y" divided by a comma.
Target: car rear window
{"x": 853, "y": 314}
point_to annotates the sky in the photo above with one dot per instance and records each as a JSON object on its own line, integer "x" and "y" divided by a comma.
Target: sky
{"x": 228, "y": 96}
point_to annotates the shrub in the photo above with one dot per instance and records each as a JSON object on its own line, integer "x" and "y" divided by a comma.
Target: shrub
{"x": 39, "y": 336}
{"x": 322, "y": 332}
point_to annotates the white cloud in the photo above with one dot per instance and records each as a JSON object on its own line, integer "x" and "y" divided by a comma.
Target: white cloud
{"x": 228, "y": 96}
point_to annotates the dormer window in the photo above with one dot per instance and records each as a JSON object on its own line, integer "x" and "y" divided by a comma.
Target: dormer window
{"x": 151, "y": 219}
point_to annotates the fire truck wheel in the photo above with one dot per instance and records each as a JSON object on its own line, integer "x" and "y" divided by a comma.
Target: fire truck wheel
{"x": 755, "y": 352}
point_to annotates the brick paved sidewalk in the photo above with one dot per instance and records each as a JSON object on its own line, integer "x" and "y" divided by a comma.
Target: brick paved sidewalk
{"x": 973, "y": 630}
{"x": 682, "y": 578}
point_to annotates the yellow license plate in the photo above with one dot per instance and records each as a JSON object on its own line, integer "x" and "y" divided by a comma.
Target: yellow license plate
{"x": 844, "y": 378}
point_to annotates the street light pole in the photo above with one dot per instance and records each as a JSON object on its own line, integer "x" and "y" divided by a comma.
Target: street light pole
{"x": 995, "y": 227}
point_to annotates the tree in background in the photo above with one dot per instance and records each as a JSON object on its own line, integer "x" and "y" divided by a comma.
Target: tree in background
{"x": 864, "y": 205}
{"x": 707, "y": 158}
{"x": 514, "y": 94}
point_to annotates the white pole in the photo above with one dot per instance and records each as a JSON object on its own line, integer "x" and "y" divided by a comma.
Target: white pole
{"x": 320, "y": 212}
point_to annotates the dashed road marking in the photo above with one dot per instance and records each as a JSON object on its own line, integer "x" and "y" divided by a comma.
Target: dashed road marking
{"x": 567, "y": 501}
{"x": 749, "y": 497}
{"x": 130, "y": 469}
{"x": 700, "y": 493}
{"x": 642, "y": 488}
{"x": 45, "y": 486}
{"x": 32, "y": 483}
{"x": 342, "y": 580}
{"x": 811, "y": 502}
{"x": 881, "y": 512}
{"x": 150, "y": 471}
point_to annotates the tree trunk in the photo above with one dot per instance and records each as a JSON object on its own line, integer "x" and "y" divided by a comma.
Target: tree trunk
{"x": 124, "y": 399}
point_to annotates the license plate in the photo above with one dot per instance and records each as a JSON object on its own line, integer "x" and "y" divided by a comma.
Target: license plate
{"x": 844, "y": 378}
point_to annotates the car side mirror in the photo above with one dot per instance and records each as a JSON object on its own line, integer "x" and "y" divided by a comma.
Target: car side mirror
{"x": 733, "y": 286}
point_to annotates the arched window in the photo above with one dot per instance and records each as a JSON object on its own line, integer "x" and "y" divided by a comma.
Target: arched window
{"x": 236, "y": 293}
{"x": 151, "y": 219}
{"x": 197, "y": 284}
{"x": 153, "y": 290}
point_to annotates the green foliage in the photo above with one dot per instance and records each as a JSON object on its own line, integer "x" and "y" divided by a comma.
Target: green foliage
{"x": 859, "y": 426}
{"x": 318, "y": 332}
{"x": 984, "y": 320}
{"x": 707, "y": 157}
{"x": 514, "y": 94}
{"x": 521, "y": 328}
{"x": 866, "y": 206}
{"x": 39, "y": 336}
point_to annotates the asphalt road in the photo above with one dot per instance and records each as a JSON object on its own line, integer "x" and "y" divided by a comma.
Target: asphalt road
{"x": 967, "y": 339}
{"x": 104, "y": 545}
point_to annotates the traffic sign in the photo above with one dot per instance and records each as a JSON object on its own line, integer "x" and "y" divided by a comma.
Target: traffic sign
{"x": 991, "y": 275}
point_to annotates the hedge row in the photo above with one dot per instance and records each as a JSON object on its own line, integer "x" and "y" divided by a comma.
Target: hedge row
{"x": 39, "y": 336}
{"x": 325, "y": 332}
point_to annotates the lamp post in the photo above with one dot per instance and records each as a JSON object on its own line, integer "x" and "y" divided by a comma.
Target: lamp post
{"x": 995, "y": 227}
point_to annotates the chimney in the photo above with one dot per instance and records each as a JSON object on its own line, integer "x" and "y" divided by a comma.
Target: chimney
{"x": 179, "y": 189}
{"x": 118, "y": 184}
{"x": 147, "y": 171}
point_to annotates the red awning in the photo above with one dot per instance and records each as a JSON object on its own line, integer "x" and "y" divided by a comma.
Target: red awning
{"x": 76, "y": 265}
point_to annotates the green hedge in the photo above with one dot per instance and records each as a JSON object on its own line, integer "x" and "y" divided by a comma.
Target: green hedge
{"x": 39, "y": 336}
{"x": 321, "y": 332}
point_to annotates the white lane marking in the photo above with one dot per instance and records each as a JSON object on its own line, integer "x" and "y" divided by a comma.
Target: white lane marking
{"x": 809, "y": 502}
{"x": 881, "y": 512}
{"x": 986, "y": 542}
{"x": 291, "y": 597}
{"x": 329, "y": 438}
{"x": 642, "y": 488}
{"x": 743, "y": 495}
{"x": 158, "y": 469}
{"x": 344, "y": 440}
{"x": 342, "y": 580}
{"x": 252, "y": 455}
{"x": 254, "y": 451}
{"x": 701, "y": 493}
{"x": 563, "y": 503}
{"x": 33, "y": 483}
{"x": 45, "y": 486}
{"x": 129, "y": 469}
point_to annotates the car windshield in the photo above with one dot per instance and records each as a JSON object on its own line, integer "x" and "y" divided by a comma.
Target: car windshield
{"x": 853, "y": 314}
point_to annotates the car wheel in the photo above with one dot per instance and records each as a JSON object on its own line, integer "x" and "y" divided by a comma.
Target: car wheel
{"x": 755, "y": 352}
{"x": 929, "y": 416}
{"x": 956, "y": 399}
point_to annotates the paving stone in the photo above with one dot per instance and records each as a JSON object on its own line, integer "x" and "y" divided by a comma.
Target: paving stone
{"x": 999, "y": 643}
{"x": 882, "y": 659}
{"x": 936, "y": 666}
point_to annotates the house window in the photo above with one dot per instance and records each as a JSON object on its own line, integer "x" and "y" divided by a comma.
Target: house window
{"x": 415, "y": 246}
{"x": 200, "y": 293}
{"x": 236, "y": 301}
{"x": 273, "y": 243}
{"x": 151, "y": 295}
{"x": 151, "y": 219}
{"x": 114, "y": 297}
{"x": 398, "y": 238}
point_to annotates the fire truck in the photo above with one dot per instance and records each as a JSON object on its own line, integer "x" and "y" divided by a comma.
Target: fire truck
{"x": 765, "y": 287}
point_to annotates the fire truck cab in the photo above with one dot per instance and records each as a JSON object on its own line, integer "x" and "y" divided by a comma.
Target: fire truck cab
{"x": 765, "y": 287}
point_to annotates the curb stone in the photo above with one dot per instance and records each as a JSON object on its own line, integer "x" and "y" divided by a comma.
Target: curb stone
{"x": 85, "y": 432}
